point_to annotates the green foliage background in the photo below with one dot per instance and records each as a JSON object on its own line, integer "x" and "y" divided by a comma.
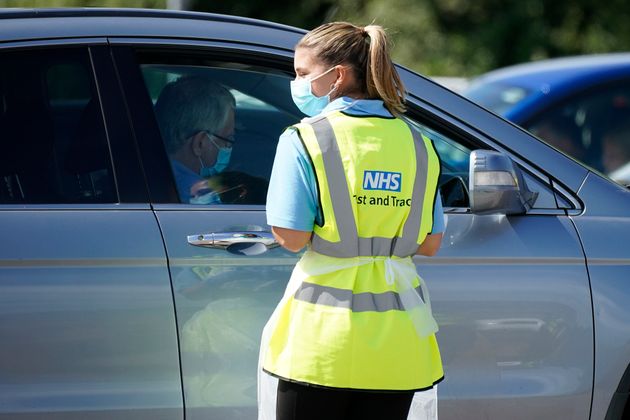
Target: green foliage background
{"x": 439, "y": 37}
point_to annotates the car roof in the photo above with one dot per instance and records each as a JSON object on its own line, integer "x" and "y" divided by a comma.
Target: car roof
{"x": 561, "y": 70}
{"x": 33, "y": 24}
{"x": 549, "y": 81}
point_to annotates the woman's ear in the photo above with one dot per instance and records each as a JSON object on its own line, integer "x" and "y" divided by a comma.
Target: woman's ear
{"x": 342, "y": 77}
{"x": 345, "y": 82}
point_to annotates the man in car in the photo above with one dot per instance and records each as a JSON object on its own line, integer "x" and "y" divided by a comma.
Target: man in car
{"x": 196, "y": 119}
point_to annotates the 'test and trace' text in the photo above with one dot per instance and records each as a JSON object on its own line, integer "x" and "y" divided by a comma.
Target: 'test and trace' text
{"x": 390, "y": 200}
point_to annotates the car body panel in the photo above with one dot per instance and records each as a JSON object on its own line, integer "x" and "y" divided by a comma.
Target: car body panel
{"x": 509, "y": 347}
{"x": 69, "y": 23}
{"x": 513, "y": 316}
{"x": 88, "y": 330}
{"x": 605, "y": 230}
{"x": 223, "y": 301}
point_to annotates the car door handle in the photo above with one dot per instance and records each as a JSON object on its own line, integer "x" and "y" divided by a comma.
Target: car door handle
{"x": 224, "y": 240}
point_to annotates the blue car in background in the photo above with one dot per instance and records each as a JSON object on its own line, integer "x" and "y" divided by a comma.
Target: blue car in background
{"x": 580, "y": 105}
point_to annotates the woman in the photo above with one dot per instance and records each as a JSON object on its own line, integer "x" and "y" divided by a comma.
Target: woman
{"x": 353, "y": 337}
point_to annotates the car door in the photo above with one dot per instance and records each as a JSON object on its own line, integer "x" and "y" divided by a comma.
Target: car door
{"x": 86, "y": 314}
{"x": 510, "y": 292}
{"x": 223, "y": 294}
{"x": 512, "y": 298}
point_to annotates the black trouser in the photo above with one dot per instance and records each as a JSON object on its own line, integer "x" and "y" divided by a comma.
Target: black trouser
{"x": 303, "y": 402}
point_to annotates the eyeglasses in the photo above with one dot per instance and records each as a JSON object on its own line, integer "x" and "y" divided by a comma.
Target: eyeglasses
{"x": 229, "y": 140}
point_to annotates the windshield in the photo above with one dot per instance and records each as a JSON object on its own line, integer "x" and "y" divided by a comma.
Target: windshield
{"x": 497, "y": 97}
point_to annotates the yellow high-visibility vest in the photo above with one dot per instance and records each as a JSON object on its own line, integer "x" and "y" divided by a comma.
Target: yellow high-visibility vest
{"x": 347, "y": 328}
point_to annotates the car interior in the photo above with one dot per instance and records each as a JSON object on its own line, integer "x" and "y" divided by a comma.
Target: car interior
{"x": 51, "y": 132}
{"x": 264, "y": 108}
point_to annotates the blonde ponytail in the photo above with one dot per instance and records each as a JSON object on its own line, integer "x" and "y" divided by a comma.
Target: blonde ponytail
{"x": 366, "y": 51}
{"x": 381, "y": 76}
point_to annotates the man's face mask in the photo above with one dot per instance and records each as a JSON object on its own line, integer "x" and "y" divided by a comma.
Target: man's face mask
{"x": 305, "y": 100}
{"x": 223, "y": 158}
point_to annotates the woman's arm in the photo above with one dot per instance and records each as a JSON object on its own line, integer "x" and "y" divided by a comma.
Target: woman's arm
{"x": 292, "y": 194}
{"x": 291, "y": 239}
{"x": 431, "y": 245}
{"x": 295, "y": 240}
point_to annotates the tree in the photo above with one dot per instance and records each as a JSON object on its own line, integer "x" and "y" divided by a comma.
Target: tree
{"x": 439, "y": 37}
{"x": 462, "y": 37}
{"x": 84, "y": 3}
{"x": 305, "y": 14}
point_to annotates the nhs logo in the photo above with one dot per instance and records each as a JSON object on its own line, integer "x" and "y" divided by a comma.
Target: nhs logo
{"x": 379, "y": 180}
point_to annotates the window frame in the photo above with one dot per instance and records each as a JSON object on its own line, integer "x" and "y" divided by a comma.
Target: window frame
{"x": 124, "y": 165}
{"x": 426, "y": 114}
{"x": 161, "y": 183}
{"x": 419, "y": 110}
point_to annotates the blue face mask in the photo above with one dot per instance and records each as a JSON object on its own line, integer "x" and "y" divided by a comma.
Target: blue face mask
{"x": 223, "y": 159}
{"x": 304, "y": 98}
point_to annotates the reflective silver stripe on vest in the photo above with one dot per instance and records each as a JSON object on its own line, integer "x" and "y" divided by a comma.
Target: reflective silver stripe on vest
{"x": 350, "y": 245}
{"x": 339, "y": 195}
{"x": 408, "y": 243}
{"x": 357, "y": 302}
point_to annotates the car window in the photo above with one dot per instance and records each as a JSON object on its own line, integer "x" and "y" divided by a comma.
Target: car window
{"x": 216, "y": 160}
{"x": 497, "y": 97}
{"x": 52, "y": 136}
{"x": 454, "y": 156}
{"x": 592, "y": 127}
{"x": 263, "y": 109}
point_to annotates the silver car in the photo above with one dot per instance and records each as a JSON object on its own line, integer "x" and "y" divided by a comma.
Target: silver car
{"x": 119, "y": 301}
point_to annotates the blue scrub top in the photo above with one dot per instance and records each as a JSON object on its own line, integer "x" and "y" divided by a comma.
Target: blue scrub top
{"x": 292, "y": 200}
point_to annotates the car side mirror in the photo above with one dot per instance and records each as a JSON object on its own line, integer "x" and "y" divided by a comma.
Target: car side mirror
{"x": 496, "y": 185}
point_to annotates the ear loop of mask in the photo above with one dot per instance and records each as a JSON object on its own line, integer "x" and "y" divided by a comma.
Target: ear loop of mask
{"x": 350, "y": 105}
{"x": 317, "y": 77}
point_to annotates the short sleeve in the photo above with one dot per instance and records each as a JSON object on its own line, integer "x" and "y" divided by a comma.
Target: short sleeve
{"x": 438, "y": 215}
{"x": 292, "y": 194}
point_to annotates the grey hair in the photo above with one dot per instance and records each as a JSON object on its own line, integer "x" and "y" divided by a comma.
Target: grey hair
{"x": 189, "y": 105}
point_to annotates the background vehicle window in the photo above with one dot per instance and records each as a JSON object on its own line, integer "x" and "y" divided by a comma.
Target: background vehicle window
{"x": 593, "y": 128}
{"x": 52, "y": 137}
{"x": 498, "y": 97}
{"x": 263, "y": 109}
